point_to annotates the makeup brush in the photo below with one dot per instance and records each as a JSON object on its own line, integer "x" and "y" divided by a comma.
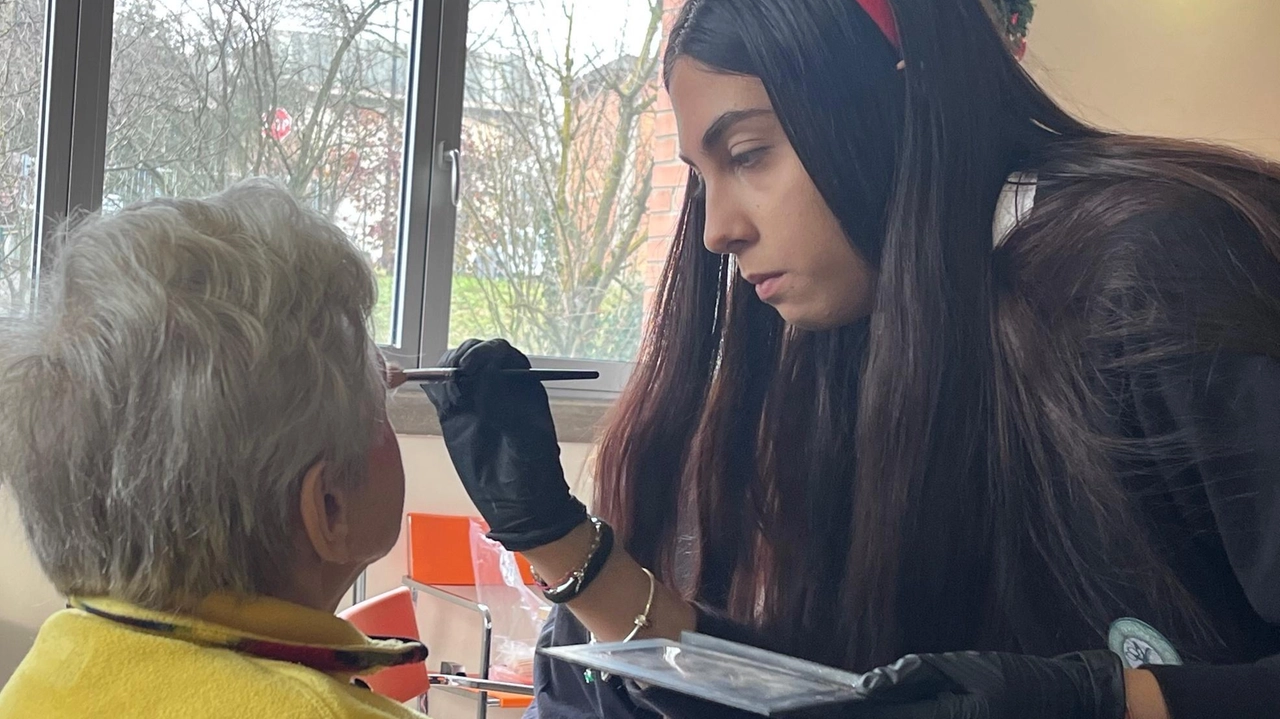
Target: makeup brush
{"x": 448, "y": 374}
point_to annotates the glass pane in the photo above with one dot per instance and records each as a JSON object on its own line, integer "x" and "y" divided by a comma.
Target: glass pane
{"x": 21, "y": 75}
{"x": 207, "y": 92}
{"x": 567, "y": 193}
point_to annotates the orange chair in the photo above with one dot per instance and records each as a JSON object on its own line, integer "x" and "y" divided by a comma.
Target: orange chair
{"x": 440, "y": 567}
{"x": 440, "y": 551}
{"x": 391, "y": 615}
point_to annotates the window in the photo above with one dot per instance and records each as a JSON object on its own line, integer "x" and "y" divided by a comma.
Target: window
{"x": 557, "y": 181}
{"x": 557, "y": 169}
{"x": 509, "y": 166}
{"x": 207, "y": 92}
{"x": 21, "y": 66}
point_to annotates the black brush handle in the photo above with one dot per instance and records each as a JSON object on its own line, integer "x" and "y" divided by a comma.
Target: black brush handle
{"x": 448, "y": 374}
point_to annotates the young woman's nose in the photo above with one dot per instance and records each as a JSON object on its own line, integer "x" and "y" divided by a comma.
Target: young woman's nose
{"x": 728, "y": 229}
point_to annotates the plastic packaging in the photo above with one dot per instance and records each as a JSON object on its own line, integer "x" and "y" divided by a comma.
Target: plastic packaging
{"x": 518, "y": 611}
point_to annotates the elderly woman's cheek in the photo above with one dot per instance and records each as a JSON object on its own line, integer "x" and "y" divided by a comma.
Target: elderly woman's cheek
{"x": 385, "y": 490}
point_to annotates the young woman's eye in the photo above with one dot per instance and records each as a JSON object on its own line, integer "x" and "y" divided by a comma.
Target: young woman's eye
{"x": 748, "y": 158}
{"x": 699, "y": 184}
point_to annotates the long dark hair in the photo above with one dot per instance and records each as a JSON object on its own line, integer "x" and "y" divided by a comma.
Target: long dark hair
{"x": 944, "y": 474}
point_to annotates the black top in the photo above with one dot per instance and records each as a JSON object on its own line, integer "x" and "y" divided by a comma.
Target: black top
{"x": 1216, "y": 515}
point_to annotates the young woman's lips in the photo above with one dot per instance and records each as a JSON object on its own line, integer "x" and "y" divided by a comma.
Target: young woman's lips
{"x": 767, "y": 285}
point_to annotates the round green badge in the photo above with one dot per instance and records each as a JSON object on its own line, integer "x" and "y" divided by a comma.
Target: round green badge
{"x": 1138, "y": 643}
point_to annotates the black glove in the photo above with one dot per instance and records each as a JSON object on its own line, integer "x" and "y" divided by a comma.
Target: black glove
{"x": 988, "y": 685}
{"x": 503, "y": 443}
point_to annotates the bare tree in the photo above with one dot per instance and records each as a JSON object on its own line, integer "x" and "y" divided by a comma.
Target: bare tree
{"x": 558, "y": 171}
{"x": 558, "y": 162}
{"x": 21, "y": 49}
{"x": 196, "y": 87}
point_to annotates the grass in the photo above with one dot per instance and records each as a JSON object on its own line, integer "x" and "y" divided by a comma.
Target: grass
{"x": 469, "y": 317}
{"x": 382, "y": 310}
{"x": 617, "y": 327}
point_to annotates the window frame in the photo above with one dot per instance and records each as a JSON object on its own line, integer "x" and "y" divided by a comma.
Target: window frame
{"x": 72, "y": 158}
{"x": 73, "y": 118}
{"x": 442, "y": 227}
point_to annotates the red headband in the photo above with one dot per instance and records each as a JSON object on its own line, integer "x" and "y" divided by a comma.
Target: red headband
{"x": 883, "y": 17}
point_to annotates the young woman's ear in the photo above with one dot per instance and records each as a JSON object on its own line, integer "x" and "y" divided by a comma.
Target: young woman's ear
{"x": 325, "y": 516}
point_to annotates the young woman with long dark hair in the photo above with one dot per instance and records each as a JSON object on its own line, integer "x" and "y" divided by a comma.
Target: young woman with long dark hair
{"x": 933, "y": 367}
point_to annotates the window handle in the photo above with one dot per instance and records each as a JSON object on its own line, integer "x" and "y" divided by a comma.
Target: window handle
{"x": 454, "y": 159}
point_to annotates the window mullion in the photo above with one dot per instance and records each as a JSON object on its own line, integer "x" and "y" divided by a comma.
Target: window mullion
{"x": 438, "y": 284}
{"x": 89, "y": 128}
{"x": 416, "y": 186}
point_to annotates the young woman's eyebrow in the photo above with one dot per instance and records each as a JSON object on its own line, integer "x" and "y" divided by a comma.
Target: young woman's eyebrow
{"x": 723, "y": 124}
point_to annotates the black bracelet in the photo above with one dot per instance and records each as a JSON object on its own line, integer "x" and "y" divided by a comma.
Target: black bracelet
{"x": 597, "y": 531}
{"x": 580, "y": 580}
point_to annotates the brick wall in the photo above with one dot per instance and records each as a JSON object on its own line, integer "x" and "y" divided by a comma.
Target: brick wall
{"x": 669, "y": 178}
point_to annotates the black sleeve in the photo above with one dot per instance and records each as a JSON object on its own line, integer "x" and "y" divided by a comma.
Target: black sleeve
{"x": 1242, "y": 691}
{"x": 563, "y": 691}
{"x": 1226, "y": 407}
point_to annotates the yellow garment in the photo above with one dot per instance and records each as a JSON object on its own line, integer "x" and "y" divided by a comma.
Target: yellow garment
{"x": 84, "y": 665}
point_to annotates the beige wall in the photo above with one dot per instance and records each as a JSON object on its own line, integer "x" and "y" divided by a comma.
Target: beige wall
{"x": 26, "y": 597}
{"x": 1206, "y": 69}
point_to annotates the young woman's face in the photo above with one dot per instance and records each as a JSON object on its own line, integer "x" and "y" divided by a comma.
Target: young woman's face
{"x": 762, "y": 206}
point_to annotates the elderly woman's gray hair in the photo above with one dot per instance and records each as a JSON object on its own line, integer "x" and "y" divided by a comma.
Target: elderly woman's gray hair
{"x": 186, "y": 362}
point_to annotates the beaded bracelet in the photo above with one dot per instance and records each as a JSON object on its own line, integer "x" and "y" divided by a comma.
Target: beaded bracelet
{"x": 577, "y": 581}
{"x": 597, "y": 531}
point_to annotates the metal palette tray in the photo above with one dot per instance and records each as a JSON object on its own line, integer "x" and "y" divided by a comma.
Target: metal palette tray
{"x": 727, "y": 673}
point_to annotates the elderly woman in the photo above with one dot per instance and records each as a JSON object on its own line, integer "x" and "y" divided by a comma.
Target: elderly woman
{"x": 194, "y": 430}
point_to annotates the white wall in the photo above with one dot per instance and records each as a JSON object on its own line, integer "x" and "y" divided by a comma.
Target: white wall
{"x": 26, "y": 597}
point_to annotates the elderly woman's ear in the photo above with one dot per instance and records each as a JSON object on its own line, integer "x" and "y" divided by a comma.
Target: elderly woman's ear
{"x": 351, "y": 524}
{"x": 325, "y": 513}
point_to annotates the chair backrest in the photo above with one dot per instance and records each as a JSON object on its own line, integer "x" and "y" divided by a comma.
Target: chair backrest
{"x": 391, "y": 615}
{"x": 440, "y": 551}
